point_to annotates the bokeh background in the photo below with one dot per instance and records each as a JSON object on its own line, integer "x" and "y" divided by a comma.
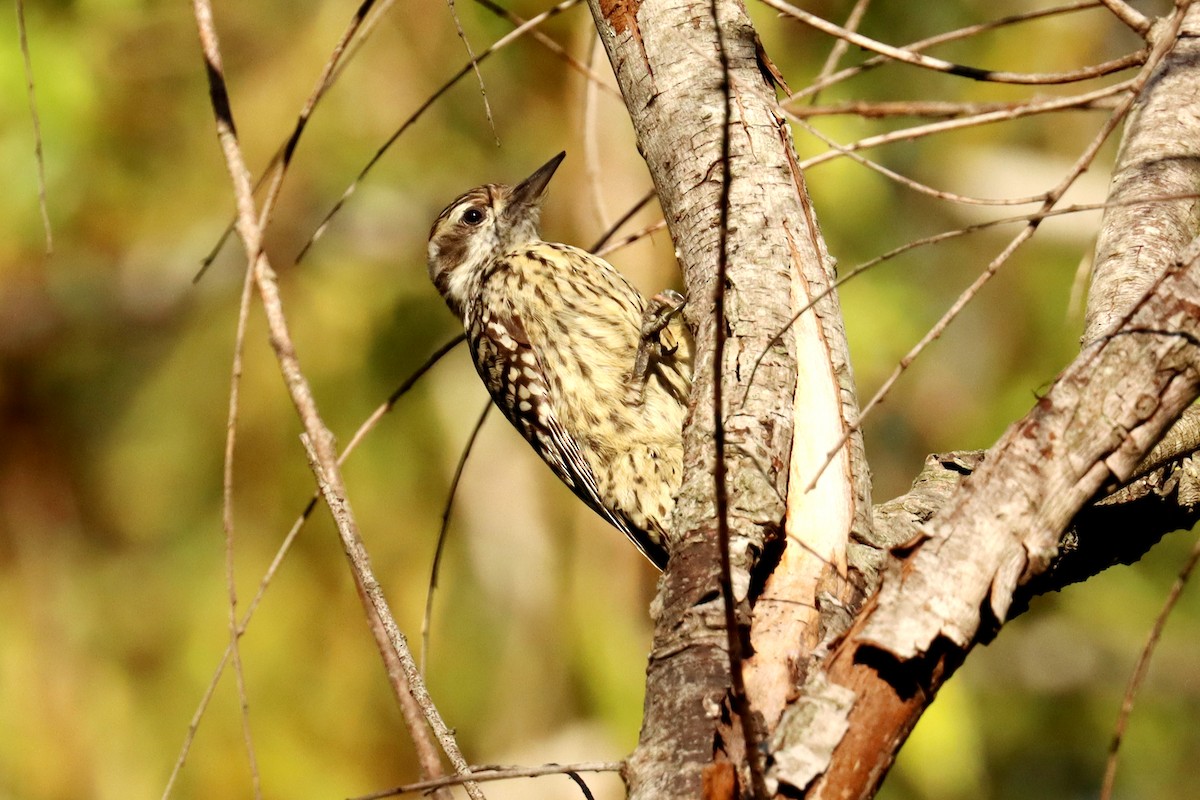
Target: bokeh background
{"x": 114, "y": 381}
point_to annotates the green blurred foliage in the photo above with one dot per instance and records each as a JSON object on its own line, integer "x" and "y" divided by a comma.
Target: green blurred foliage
{"x": 114, "y": 383}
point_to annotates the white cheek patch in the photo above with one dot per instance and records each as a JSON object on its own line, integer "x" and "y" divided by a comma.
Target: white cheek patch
{"x": 458, "y": 281}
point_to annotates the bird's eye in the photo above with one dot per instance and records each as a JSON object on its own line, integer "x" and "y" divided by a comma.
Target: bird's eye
{"x": 472, "y": 216}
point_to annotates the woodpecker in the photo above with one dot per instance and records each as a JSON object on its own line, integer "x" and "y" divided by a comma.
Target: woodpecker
{"x": 591, "y": 374}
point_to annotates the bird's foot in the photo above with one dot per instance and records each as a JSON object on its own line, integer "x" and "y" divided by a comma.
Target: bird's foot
{"x": 661, "y": 309}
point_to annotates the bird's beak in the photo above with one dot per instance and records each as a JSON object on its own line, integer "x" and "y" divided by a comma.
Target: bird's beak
{"x": 529, "y": 192}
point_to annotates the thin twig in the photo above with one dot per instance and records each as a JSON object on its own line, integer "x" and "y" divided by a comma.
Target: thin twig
{"x": 1081, "y": 164}
{"x": 917, "y": 186}
{"x": 944, "y": 236}
{"x": 583, "y": 787}
{"x": 594, "y": 78}
{"x": 352, "y": 39}
{"x": 277, "y": 561}
{"x": 598, "y": 247}
{"x": 636, "y": 236}
{"x": 934, "y": 333}
{"x": 1143, "y": 666}
{"x": 935, "y": 109}
{"x": 1004, "y": 115}
{"x": 938, "y": 65}
{"x": 941, "y": 38}
{"x": 277, "y": 167}
{"x": 401, "y": 390}
{"x": 227, "y": 522}
{"x": 435, "y": 569}
{"x": 1129, "y": 15}
{"x": 329, "y": 73}
{"x": 840, "y": 46}
{"x": 37, "y": 128}
{"x": 487, "y": 107}
{"x": 591, "y": 140}
{"x": 194, "y": 725}
{"x": 317, "y": 436}
{"x": 416, "y": 707}
{"x": 495, "y": 773}
{"x": 500, "y": 43}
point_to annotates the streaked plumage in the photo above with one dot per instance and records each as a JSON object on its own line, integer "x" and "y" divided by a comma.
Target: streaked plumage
{"x": 554, "y": 333}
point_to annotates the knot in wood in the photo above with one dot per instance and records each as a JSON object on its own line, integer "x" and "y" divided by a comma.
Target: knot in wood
{"x": 1146, "y": 405}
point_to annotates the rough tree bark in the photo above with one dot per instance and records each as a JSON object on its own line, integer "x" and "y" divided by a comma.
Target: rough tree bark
{"x": 664, "y": 57}
{"x": 835, "y": 684}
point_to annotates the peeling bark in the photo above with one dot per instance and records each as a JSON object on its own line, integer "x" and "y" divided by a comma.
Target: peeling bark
{"x": 1096, "y": 423}
{"x": 665, "y": 57}
{"x": 1002, "y": 527}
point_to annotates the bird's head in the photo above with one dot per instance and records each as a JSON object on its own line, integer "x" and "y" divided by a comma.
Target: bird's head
{"x": 478, "y": 226}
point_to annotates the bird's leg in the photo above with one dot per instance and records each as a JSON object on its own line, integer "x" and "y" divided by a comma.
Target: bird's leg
{"x": 658, "y": 314}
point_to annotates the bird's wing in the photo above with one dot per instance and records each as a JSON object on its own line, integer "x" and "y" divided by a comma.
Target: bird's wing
{"x": 516, "y": 379}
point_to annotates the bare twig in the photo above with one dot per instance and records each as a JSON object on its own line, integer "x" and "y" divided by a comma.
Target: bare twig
{"x": 329, "y": 73}
{"x": 277, "y": 167}
{"x": 934, "y": 333}
{"x": 636, "y": 236}
{"x": 401, "y": 390}
{"x": 427, "y": 620}
{"x": 583, "y": 787}
{"x": 591, "y": 143}
{"x": 941, "y": 38}
{"x": 37, "y": 127}
{"x": 577, "y": 779}
{"x": 1052, "y": 197}
{"x": 938, "y": 238}
{"x": 194, "y": 724}
{"x": 938, "y": 65}
{"x": 1136, "y": 21}
{"x": 494, "y": 773}
{"x": 935, "y": 109}
{"x": 917, "y": 186}
{"x": 595, "y": 79}
{"x": 840, "y": 46}
{"x": 277, "y": 561}
{"x": 318, "y": 438}
{"x": 487, "y": 107}
{"x": 234, "y": 651}
{"x": 1142, "y": 667}
{"x": 598, "y": 247}
{"x": 1028, "y": 109}
{"x": 356, "y": 33}
{"x": 500, "y": 43}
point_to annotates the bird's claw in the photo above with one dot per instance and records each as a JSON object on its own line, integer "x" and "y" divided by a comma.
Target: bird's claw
{"x": 659, "y": 312}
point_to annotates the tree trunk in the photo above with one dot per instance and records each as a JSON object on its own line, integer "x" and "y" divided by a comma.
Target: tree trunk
{"x": 836, "y": 685}
{"x": 777, "y": 263}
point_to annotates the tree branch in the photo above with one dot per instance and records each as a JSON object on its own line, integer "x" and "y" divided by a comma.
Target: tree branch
{"x": 1002, "y": 527}
{"x": 318, "y": 439}
{"x": 1159, "y": 158}
{"x": 1000, "y": 532}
